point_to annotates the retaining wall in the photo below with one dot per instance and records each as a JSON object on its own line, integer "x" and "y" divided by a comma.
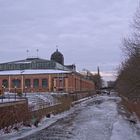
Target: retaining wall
{"x": 18, "y": 111}
{"x": 13, "y": 112}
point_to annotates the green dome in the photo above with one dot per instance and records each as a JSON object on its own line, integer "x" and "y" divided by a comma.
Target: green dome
{"x": 58, "y": 57}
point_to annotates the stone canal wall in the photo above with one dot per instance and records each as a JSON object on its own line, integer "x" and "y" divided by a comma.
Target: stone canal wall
{"x": 13, "y": 112}
{"x": 65, "y": 104}
{"x": 18, "y": 112}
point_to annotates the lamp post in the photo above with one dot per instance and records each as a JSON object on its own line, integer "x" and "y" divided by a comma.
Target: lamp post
{"x": 2, "y": 92}
{"x": 25, "y": 90}
{"x": 31, "y": 88}
{"x": 3, "y": 89}
{"x": 15, "y": 92}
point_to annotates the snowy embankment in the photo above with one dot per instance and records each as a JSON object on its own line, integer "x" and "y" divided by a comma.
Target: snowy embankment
{"x": 40, "y": 100}
{"x": 96, "y": 118}
{"x": 9, "y": 97}
{"x": 35, "y": 100}
{"x": 26, "y": 131}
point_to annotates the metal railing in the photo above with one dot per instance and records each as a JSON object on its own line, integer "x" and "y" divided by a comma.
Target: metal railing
{"x": 11, "y": 97}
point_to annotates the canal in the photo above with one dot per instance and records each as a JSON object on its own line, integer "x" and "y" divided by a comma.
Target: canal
{"x": 98, "y": 118}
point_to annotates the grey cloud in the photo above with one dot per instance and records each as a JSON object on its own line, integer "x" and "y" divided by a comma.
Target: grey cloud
{"x": 88, "y": 32}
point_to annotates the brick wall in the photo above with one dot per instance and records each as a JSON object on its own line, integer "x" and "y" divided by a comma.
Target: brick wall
{"x": 70, "y": 82}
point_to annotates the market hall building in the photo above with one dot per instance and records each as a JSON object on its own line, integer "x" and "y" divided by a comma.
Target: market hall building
{"x": 41, "y": 75}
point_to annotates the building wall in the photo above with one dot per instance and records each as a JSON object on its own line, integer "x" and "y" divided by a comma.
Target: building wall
{"x": 69, "y": 82}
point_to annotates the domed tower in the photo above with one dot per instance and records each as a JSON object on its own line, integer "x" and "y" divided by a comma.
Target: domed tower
{"x": 58, "y": 57}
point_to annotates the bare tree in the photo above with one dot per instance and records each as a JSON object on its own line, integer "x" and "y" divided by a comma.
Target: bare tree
{"x": 128, "y": 81}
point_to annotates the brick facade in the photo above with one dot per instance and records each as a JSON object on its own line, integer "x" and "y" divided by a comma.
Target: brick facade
{"x": 60, "y": 82}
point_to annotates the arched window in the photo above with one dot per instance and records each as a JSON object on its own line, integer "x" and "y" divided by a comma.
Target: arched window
{"x": 44, "y": 83}
{"x": 16, "y": 83}
{"x": 5, "y": 83}
{"x": 36, "y": 83}
{"x": 27, "y": 83}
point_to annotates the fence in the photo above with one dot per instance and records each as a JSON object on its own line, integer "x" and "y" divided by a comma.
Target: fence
{"x": 11, "y": 97}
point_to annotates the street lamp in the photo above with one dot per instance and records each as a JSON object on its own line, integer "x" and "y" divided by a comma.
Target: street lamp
{"x": 31, "y": 88}
{"x": 2, "y": 92}
{"x": 3, "y": 89}
{"x": 25, "y": 90}
{"x": 15, "y": 92}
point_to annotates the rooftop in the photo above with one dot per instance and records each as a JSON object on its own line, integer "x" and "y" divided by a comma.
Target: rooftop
{"x": 36, "y": 71}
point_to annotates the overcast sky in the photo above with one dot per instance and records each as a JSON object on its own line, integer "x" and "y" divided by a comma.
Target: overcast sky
{"x": 88, "y": 32}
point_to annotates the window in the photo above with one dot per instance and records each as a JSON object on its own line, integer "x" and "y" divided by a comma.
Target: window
{"x": 21, "y": 66}
{"x": 27, "y": 83}
{"x": 36, "y": 83}
{"x": 16, "y": 83}
{"x": 5, "y": 83}
{"x": 44, "y": 83}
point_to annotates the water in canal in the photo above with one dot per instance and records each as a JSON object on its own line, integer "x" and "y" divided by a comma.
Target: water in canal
{"x": 97, "y": 118}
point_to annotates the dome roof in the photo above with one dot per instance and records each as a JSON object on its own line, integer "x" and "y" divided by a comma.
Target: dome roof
{"x": 58, "y": 57}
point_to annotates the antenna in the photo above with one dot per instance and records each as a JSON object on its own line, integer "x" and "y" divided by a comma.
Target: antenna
{"x": 56, "y": 47}
{"x": 37, "y": 50}
{"x": 27, "y": 51}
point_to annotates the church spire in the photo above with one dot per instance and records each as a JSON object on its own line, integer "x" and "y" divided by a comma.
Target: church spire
{"x": 98, "y": 70}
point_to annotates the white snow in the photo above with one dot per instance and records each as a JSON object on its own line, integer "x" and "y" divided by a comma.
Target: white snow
{"x": 40, "y": 100}
{"x": 26, "y": 62}
{"x": 10, "y": 97}
{"x": 25, "y": 131}
{"x": 123, "y": 131}
{"x": 95, "y": 118}
{"x": 9, "y": 100}
{"x": 36, "y": 71}
{"x": 35, "y": 100}
{"x": 102, "y": 122}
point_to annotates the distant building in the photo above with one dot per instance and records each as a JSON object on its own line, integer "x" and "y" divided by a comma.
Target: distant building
{"x": 41, "y": 75}
{"x": 111, "y": 84}
{"x": 95, "y": 77}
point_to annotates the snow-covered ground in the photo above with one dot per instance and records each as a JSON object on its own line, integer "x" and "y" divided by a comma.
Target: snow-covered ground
{"x": 35, "y": 100}
{"x": 40, "y": 100}
{"x": 9, "y": 97}
{"x": 9, "y": 100}
{"x": 26, "y": 131}
{"x": 94, "y": 119}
